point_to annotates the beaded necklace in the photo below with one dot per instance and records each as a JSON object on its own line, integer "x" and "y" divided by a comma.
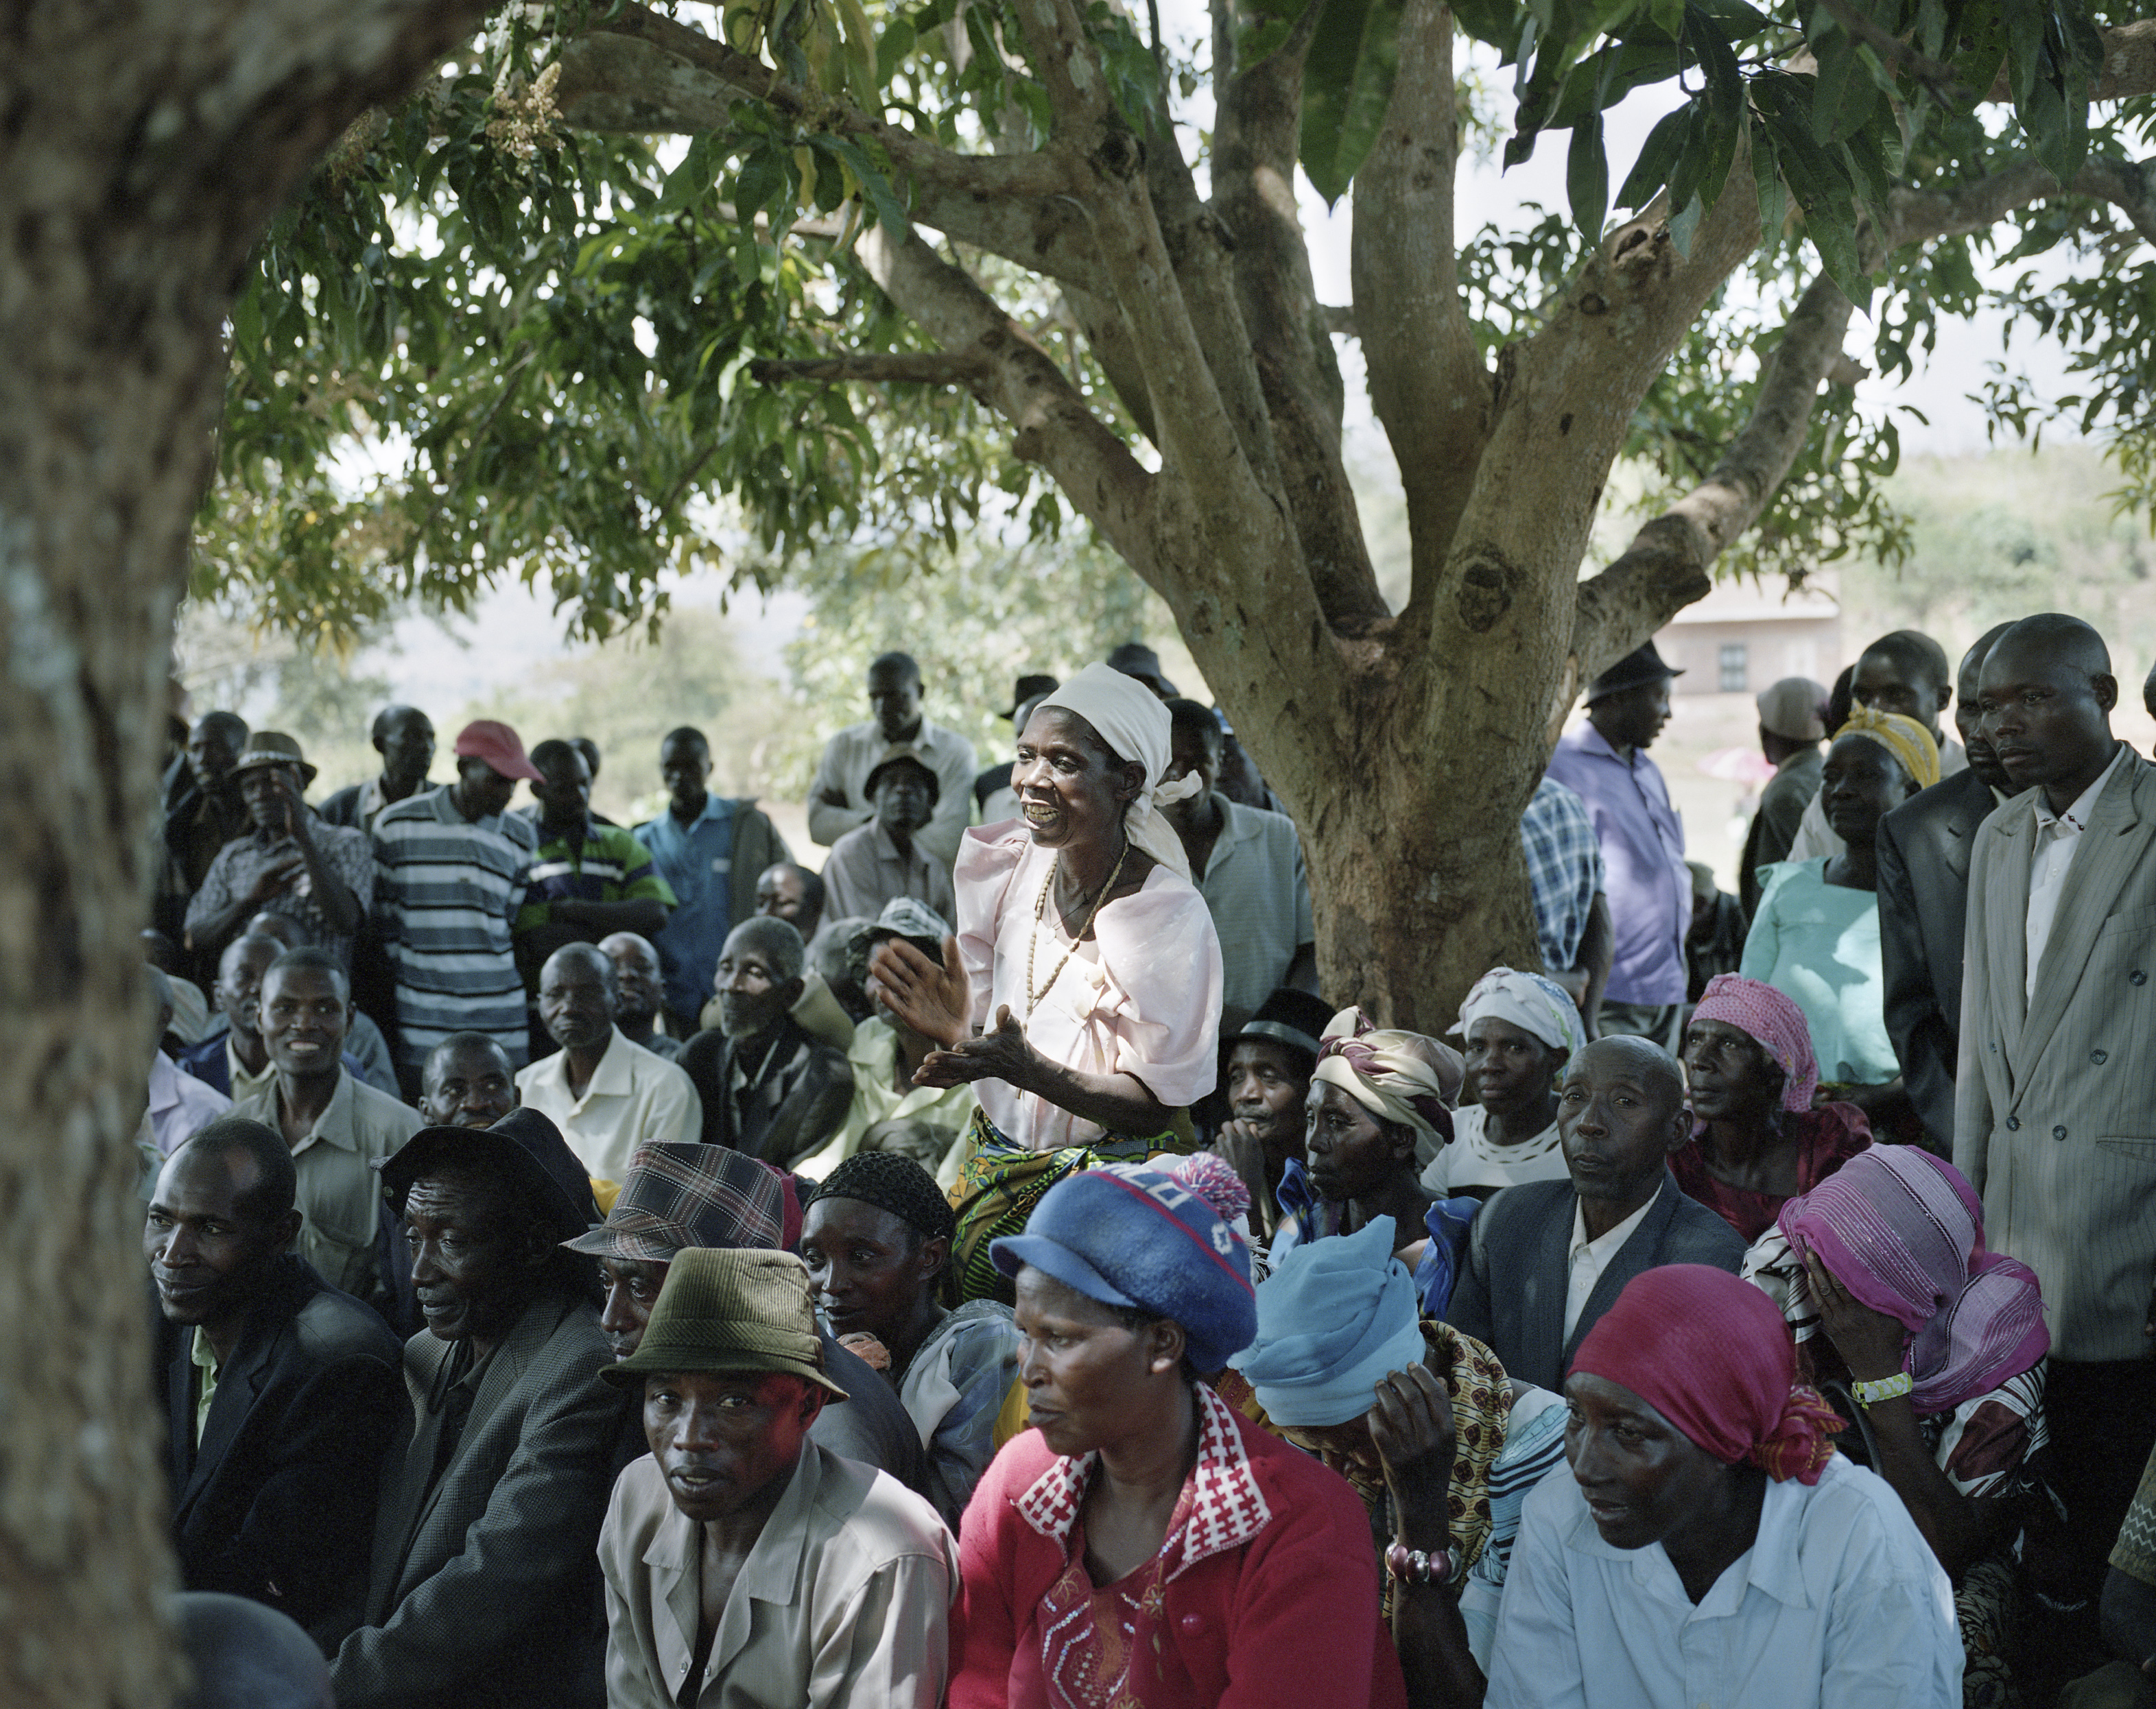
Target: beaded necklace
{"x": 1032, "y": 995}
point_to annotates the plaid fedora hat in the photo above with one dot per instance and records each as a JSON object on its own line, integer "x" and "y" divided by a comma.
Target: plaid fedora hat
{"x": 679, "y": 1197}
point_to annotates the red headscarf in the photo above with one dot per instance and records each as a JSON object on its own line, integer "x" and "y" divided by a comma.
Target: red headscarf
{"x": 1712, "y": 1355}
{"x": 1775, "y": 1022}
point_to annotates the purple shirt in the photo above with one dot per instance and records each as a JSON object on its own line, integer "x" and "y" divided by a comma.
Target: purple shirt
{"x": 1643, "y": 849}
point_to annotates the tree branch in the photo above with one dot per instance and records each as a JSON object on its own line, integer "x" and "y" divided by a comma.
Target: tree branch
{"x": 968, "y": 369}
{"x": 1919, "y": 215}
{"x": 1947, "y": 89}
{"x": 1666, "y": 567}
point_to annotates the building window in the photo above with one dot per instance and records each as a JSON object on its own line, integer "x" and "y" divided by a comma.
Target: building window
{"x": 1735, "y": 674}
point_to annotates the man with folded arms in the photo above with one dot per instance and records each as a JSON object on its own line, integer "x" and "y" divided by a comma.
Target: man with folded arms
{"x": 746, "y": 1567}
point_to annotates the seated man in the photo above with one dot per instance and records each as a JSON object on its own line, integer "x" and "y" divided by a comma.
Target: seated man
{"x": 339, "y": 1127}
{"x": 793, "y": 894}
{"x": 466, "y": 1082}
{"x": 1545, "y": 1259}
{"x": 680, "y": 1196}
{"x": 230, "y": 1056}
{"x": 606, "y": 1095}
{"x": 768, "y": 1087}
{"x": 1709, "y": 1545}
{"x": 639, "y": 989}
{"x": 876, "y": 864}
{"x": 745, "y": 1564}
{"x": 281, "y": 1394}
{"x": 180, "y": 1105}
{"x": 483, "y": 1590}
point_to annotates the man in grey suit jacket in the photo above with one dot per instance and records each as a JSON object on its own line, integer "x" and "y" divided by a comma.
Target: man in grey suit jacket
{"x": 485, "y": 1588}
{"x": 2054, "y": 1123}
{"x": 1545, "y": 1259}
{"x": 1923, "y": 851}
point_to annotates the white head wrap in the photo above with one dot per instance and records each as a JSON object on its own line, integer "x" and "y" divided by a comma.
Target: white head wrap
{"x": 1130, "y": 718}
{"x": 1531, "y": 1002}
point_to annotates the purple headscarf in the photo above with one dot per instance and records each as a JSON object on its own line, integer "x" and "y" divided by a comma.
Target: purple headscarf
{"x": 1904, "y": 1233}
{"x": 1772, "y": 1020}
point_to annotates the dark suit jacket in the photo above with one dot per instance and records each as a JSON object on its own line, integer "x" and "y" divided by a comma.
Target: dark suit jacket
{"x": 1511, "y": 1296}
{"x": 485, "y": 1588}
{"x": 1923, "y": 854}
{"x": 278, "y": 1502}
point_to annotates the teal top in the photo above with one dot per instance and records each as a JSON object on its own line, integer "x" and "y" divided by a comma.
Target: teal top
{"x": 1818, "y": 944}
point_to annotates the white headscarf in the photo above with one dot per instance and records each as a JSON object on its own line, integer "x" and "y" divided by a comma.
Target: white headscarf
{"x": 1533, "y": 1003}
{"x": 1130, "y": 718}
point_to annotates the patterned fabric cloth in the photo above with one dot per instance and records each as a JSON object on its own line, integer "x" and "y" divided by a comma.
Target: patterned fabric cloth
{"x": 1390, "y": 1072}
{"x": 1564, "y": 869}
{"x": 1472, "y": 1160}
{"x": 680, "y": 1196}
{"x": 1825, "y": 1138}
{"x": 1531, "y": 1002}
{"x": 1772, "y": 1021}
{"x": 240, "y": 862}
{"x": 1904, "y": 738}
{"x": 2135, "y": 1553}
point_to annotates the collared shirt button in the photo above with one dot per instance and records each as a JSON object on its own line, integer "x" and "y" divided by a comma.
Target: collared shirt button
{"x": 2137, "y": 978}
{"x": 1192, "y": 1622}
{"x": 2013, "y": 1124}
{"x": 2058, "y": 1133}
{"x": 2099, "y": 1057}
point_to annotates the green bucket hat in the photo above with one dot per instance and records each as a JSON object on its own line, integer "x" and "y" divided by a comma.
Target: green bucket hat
{"x": 730, "y": 1309}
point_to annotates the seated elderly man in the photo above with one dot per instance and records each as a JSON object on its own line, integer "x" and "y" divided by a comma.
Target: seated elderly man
{"x": 281, "y": 1395}
{"x": 466, "y": 1082}
{"x": 679, "y": 1198}
{"x": 1545, "y": 1259}
{"x": 640, "y": 984}
{"x": 768, "y": 1088}
{"x": 606, "y": 1095}
{"x": 788, "y": 892}
{"x": 745, "y": 1565}
{"x": 483, "y": 1589}
{"x": 1710, "y": 1546}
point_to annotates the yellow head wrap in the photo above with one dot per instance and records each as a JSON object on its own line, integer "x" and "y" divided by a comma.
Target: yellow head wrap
{"x": 1904, "y": 738}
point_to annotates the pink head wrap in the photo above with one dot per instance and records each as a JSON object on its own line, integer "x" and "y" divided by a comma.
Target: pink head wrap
{"x": 1904, "y": 1233}
{"x": 1777, "y": 1024}
{"x": 1711, "y": 1354}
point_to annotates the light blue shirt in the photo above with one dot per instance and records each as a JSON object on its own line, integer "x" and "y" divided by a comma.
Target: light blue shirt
{"x": 697, "y": 861}
{"x": 1818, "y": 944}
{"x": 1839, "y": 1604}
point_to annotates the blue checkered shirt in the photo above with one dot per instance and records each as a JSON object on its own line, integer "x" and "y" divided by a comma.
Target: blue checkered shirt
{"x": 1564, "y": 869}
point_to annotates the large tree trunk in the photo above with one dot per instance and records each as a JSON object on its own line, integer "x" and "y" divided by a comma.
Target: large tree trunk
{"x": 142, "y": 147}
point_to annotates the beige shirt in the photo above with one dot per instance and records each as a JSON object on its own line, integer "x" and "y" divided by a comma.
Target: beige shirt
{"x": 2058, "y": 835}
{"x": 340, "y": 1189}
{"x": 844, "y": 1603}
{"x": 1589, "y": 1259}
{"x": 635, "y": 1097}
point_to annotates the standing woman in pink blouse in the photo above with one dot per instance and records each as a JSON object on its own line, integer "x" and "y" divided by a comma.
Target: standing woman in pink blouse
{"x": 1081, "y": 996}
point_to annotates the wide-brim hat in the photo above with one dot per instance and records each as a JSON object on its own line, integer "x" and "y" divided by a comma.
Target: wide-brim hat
{"x": 1289, "y": 1017}
{"x": 1633, "y": 670}
{"x": 903, "y": 753}
{"x": 1028, "y": 688}
{"x": 1136, "y": 658}
{"x": 730, "y": 1311}
{"x": 527, "y": 1146}
{"x": 273, "y": 747}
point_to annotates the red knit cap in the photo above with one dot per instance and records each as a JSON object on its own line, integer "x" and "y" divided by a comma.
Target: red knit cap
{"x": 1712, "y": 1355}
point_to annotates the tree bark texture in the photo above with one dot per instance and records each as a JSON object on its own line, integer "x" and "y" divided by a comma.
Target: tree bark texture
{"x": 142, "y": 147}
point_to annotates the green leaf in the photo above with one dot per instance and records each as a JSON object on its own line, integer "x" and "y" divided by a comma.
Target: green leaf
{"x": 1843, "y": 94}
{"x": 1657, "y": 154}
{"x": 1668, "y": 15}
{"x": 1347, "y": 83}
{"x": 2025, "y": 23}
{"x": 1606, "y": 77}
{"x": 1766, "y": 177}
{"x": 1586, "y": 178}
{"x": 1725, "y": 83}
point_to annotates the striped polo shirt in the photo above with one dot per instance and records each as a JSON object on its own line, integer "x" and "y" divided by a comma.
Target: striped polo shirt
{"x": 609, "y": 865}
{"x": 446, "y": 891}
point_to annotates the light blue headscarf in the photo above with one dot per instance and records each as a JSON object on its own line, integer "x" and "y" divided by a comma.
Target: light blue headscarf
{"x": 1338, "y": 1315}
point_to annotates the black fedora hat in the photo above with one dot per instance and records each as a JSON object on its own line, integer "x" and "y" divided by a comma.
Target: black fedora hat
{"x": 1631, "y": 671}
{"x": 529, "y": 1147}
{"x": 1028, "y": 688}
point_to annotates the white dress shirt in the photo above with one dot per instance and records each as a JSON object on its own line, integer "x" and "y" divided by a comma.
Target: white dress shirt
{"x": 2058, "y": 835}
{"x": 1839, "y": 1604}
{"x": 635, "y": 1097}
{"x": 1590, "y": 1258}
{"x": 856, "y": 751}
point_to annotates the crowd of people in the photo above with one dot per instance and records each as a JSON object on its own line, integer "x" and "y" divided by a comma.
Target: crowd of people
{"x": 603, "y": 1265}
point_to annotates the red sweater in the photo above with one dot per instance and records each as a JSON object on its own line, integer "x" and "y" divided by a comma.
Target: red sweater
{"x": 1281, "y": 1620}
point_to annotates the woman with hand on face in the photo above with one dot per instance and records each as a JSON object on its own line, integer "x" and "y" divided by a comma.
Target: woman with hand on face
{"x": 1521, "y": 1030}
{"x": 1932, "y": 1349}
{"x": 1081, "y": 996}
{"x": 876, "y": 1238}
{"x": 1142, "y": 1545}
{"x": 1758, "y": 1134}
{"x": 1710, "y": 1547}
{"x": 1269, "y": 1067}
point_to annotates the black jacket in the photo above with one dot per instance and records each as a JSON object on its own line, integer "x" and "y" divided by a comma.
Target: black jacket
{"x": 278, "y": 1502}
{"x": 1923, "y": 851}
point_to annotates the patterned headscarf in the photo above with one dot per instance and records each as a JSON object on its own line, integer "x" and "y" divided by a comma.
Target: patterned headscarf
{"x": 1904, "y": 1233}
{"x": 1709, "y": 1353}
{"x": 1904, "y": 738}
{"x": 1775, "y": 1022}
{"x": 1531, "y": 1002}
{"x": 1391, "y": 1073}
{"x": 1130, "y": 718}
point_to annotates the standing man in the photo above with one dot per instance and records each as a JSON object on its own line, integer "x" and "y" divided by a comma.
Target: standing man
{"x": 588, "y": 879}
{"x": 878, "y": 863}
{"x": 203, "y": 814}
{"x": 338, "y": 1126}
{"x": 709, "y": 849}
{"x": 1604, "y": 763}
{"x": 837, "y": 796}
{"x": 1567, "y": 883}
{"x": 451, "y": 868}
{"x": 1248, "y": 866}
{"x": 281, "y": 1394}
{"x": 2052, "y": 1117}
{"x": 1904, "y": 672}
{"x": 319, "y": 876}
{"x": 404, "y": 737}
{"x": 638, "y": 986}
{"x": 1791, "y": 725}
{"x": 607, "y": 1096}
{"x": 1923, "y": 852}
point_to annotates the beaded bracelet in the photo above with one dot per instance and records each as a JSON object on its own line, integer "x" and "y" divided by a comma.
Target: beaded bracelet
{"x": 1417, "y": 1566}
{"x": 1870, "y": 1394}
